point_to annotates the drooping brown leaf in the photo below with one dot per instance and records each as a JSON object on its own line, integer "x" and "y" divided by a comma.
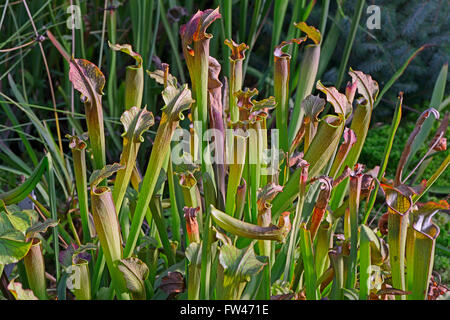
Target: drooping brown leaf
{"x": 172, "y": 283}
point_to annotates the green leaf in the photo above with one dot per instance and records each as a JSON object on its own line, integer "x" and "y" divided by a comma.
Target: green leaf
{"x": 194, "y": 256}
{"x": 307, "y": 255}
{"x": 240, "y": 264}
{"x": 21, "y": 192}
{"x": 13, "y": 246}
{"x": 350, "y": 294}
{"x": 20, "y": 219}
{"x": 135, "y": 272}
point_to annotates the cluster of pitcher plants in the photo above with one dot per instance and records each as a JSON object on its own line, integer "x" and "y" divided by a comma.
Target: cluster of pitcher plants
{"x": 285, "y": 216}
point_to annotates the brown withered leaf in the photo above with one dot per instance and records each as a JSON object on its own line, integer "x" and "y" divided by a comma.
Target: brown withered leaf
{"x": 190, "y": 215}
{"x": 367, "y": 182}
{"x": 213, "y": 74}
{"x": 383, "y": 224}
{"x": 284, "y": 223}
{"x": 172, "y": 283}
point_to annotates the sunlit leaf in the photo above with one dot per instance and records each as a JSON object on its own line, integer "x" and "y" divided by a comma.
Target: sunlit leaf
{"x": 19, "y": 292}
